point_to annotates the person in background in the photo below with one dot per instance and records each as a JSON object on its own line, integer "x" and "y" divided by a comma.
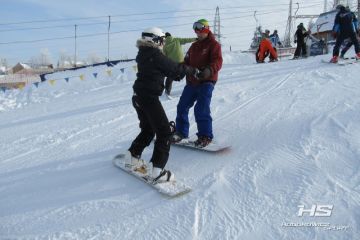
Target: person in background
{"x": 266, "y": 48}
{"x": 347, "y": 42}
{"x": 345, "y": 26}
{"x": 172, "y": 49}
{"x": 275, "y": 40}
{"x": 205, "y": 55}
{"x": 299, "y": 39}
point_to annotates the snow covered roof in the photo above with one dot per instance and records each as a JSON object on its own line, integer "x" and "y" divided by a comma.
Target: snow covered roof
{"x": 325, "y": 22}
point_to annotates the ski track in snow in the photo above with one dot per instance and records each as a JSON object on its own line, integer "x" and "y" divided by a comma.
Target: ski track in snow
{"x": 294, "y": 131}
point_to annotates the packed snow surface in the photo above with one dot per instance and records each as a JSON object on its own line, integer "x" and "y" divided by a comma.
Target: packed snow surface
{"x": 294, "y": 128}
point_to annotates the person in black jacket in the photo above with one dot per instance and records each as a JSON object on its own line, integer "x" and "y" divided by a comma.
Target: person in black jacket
{"x": 153, "y": 67}
{"x": 300, "y": 35}
{"x": 345, "y": 26}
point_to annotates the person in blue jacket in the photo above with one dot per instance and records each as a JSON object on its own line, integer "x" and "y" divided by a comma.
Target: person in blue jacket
{"x": 345, "y": 26}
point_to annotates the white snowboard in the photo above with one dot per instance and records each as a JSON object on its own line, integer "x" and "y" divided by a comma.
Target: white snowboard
{"x": 170, "y": 189}
{"x": 212, "y": 147}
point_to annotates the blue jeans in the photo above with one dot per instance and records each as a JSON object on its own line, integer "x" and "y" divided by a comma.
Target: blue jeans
{"x": 201, "y": 94}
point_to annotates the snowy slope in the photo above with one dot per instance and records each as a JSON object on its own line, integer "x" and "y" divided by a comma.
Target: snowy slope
{"x": 294, "y": 130}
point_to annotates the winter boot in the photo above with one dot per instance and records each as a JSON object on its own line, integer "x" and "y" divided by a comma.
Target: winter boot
{"x": 334, "y": 59}
{"x": 357, "y": 56}
{"x": 135, "y": 163}
{"x": 162, "y": 175}
{"x": 202, "y": 141}
{"x": 177, "y": 137}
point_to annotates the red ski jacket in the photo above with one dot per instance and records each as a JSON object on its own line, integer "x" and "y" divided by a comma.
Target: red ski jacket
{"x": 203, "y": 54}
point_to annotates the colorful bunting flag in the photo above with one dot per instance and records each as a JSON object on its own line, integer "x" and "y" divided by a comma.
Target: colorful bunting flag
{"x": 82, "y": 77}
{"x": 21, "y": 86}
{"x": 52, "y": 82}
{"x": 95, "y": 75}
{"x": 135, "y": 68}
{"x": 3, "y": 89}
{"x": 36, "y": 84}
{"x": 109, "y": 72}
{"x": 67, "y": 79}
{"x": 122, "y": 70}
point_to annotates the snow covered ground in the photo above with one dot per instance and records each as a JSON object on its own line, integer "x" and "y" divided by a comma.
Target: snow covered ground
{"x": 295, "y": 135}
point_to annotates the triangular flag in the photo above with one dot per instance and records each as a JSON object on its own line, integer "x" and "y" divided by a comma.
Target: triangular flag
{"x": 109, "y": 72}
{"x": 36, "y": 84}
{"x": 3, "y": 89}
{"x": 122, "y": 70}
{"x": 67, "y": 79}
{"x": 82, "y": 77}
{"x": 95, "y": 75}
{"x": 135, "y": 68}
{"x": 52, "y": 82}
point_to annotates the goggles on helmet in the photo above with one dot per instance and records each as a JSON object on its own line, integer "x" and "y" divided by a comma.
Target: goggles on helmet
{"x": 156, "y": 39}
{"x": 198, "y": 26}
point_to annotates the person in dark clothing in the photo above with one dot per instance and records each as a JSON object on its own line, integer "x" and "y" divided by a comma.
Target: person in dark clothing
{"x": 345, "y": 26}
{"x": 300, "y": 36}
{"x": 347, "y": 42}
{"x": 153, "y": 67}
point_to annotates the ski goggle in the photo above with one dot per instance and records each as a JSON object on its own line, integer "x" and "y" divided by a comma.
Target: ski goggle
{"x": 198, "y": 27}
{"x": 154, "y": 38}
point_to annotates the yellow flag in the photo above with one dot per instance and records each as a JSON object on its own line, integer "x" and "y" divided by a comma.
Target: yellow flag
{"x": 52, "y": 82}
{"x": 108, "y": 72}
{"x": 21, "y": 86}
{"x": 135, "y": 68}
{"x": 82, "y": 77}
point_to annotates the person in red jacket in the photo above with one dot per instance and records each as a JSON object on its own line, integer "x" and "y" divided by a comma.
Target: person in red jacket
{"x": 205, "y": 55}
{"x": 265, "y": 48}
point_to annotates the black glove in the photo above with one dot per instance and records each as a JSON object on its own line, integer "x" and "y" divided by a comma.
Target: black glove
{"x": 204, "y": 74}
{"x": 191, "y": 70}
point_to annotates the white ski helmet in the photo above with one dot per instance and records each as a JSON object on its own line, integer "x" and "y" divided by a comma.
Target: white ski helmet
{"x": 154, "y": 34}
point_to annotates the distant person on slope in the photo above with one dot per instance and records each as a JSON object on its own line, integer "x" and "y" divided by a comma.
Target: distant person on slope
{"x": 153, "y": 67}
{"x": 275, "y": 40}
{"x": 299, "y": 39}
{"x": 266, "y": 48}
{"x": 204, "y": 54}
{"x": 345, "y": 26}
{"x": 347, "y": 42}
{"x": 172, "y": 49}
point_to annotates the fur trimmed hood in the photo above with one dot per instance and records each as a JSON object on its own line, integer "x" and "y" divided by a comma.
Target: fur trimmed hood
{"x": 143, "y": 43}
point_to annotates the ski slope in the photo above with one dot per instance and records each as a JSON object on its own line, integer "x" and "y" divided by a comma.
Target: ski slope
{"x": 294, "y": 127}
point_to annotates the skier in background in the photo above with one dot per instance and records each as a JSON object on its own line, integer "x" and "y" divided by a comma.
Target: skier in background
{"x": 266, "y": 48}
{"x": 172, "y": 49}
{"x": 299, "y": 39}
{"x": 153, "y": 66}
{"x": 345, "y": 26}
{"x": 204, "y": 54}
{"x": 275, "y": 40}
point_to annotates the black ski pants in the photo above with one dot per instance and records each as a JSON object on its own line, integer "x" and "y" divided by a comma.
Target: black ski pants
{"x": 341, "y": 38}
{"x": 153, "y": 121}
{"x": 300, "y": 49}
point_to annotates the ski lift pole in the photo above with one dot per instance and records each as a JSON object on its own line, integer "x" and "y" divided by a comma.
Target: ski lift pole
{"x": 256, "y": 20}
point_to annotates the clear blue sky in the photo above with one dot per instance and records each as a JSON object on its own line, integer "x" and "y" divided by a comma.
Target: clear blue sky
{"x": 29, "y": 20}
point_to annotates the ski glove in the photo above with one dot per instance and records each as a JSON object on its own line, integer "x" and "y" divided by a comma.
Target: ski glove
{"x": 191, "y": 71}
{"x": 204, "y": 74}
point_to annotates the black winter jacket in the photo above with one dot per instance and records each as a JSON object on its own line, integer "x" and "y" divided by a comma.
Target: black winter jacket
{"x": 153, "y": 67}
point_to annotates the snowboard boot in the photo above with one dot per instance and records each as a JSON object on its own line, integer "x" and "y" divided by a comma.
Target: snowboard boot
{"x": 357, "y": 56}
{"x": 334, "y": 59}
{"x": 177, "y": 137}
{"x": 135, "y": 163}
{"x": 162, "y": 175}
{"x": 202, "y": 141}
